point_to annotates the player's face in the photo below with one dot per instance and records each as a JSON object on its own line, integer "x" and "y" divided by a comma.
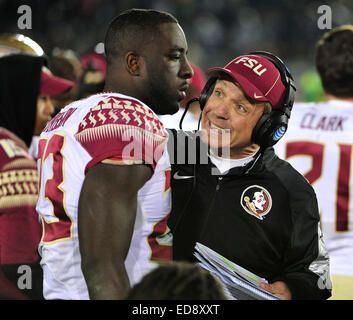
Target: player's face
{"x": 228, "y": 119}
{"x": 168, "y": 69}
{"x": 44, "y": 110}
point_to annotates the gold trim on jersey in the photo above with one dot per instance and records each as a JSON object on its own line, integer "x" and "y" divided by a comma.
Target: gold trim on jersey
{"x": 12, "y": 149}
{"x": 17, "y": 200}
{"x": 165, "y": 191}
{"x": 122, "y": 162}
{"x": 13, "y": 176}
{"x": 166, "y": 238}
{"x": 17, "y": 186}
{"x": 20, "y": 163}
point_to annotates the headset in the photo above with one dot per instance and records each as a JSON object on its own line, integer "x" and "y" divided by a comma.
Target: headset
{"x": 272, "y": 126}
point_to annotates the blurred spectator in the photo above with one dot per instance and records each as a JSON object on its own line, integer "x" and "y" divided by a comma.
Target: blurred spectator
{"x": 65, "y": 64}
{"x": 16, "y": 43}
{"x": 25, "y": 108}
{"x": 20, "y": 230}
{"x": 178, "y": 281}
{"x": 93, "y": 76}
{"x": 191, "y": 119}
{"x": 49, "y": 86}
{"x": 318, "y": 144}
{"x": 215, "y": 29}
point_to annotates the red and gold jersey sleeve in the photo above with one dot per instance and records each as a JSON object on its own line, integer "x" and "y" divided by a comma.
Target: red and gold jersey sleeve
{"x": 20, "y": 230}
{"x": 121, "y": 131}
{"x": 18, "y": 173}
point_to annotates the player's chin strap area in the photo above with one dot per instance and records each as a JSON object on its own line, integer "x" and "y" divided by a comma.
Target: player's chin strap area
{"x": 185, "y": 111}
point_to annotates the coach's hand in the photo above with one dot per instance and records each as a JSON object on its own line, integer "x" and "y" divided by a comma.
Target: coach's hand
{"x": 278, "y": 288}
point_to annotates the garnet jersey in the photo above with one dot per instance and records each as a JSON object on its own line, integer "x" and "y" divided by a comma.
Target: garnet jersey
{"x": 109, "y": 128}
{"x": 20, "y": 229}
{"x": 318, "y": 144}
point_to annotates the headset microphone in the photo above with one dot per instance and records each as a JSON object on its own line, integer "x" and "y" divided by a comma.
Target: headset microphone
{"x": 186, "y": 110}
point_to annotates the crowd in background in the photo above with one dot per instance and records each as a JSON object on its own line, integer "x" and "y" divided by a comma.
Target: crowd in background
{"x": 72, "y": 32}
{"x": 286, "y": 28}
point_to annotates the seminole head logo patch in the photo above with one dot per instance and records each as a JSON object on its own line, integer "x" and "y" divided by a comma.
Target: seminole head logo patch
{"x": 257, "y": 201}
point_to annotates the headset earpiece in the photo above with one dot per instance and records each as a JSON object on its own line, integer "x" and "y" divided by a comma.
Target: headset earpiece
{"x": 272, "y": 126}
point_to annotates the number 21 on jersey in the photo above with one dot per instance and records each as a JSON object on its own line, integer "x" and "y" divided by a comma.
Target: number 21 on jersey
{"x": 316, "y": 151}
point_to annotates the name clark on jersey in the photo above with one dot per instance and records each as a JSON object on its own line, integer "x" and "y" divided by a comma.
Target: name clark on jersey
{"x": 314, "y": 122}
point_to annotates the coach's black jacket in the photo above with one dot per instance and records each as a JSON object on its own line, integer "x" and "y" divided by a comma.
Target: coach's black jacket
{"x": 280, "y": 241}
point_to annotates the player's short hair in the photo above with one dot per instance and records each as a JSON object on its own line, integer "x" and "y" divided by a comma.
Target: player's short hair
{"x": 178, "y": 281}
{"x": 131, "y": 29}
{"x": 334, "y": 61}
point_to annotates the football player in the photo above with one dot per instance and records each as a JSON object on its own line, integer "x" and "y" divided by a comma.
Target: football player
{"x": 104, "y": 191}
{"x": 318, "y": 143}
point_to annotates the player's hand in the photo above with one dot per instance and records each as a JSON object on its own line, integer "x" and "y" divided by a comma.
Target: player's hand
{"x": 278, "y": 288}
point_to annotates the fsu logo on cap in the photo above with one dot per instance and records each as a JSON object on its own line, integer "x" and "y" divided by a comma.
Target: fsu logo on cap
{"x": 256, "y": 200}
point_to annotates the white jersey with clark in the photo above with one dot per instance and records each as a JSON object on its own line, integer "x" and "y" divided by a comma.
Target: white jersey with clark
{"x": 319, "y": 144}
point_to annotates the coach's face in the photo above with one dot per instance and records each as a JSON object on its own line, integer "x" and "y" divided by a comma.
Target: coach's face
{"x": 167, "y": 69}
{"x": 229, "y": 118}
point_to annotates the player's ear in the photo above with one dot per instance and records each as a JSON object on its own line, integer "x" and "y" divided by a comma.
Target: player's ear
{"x": 133, "y": 63}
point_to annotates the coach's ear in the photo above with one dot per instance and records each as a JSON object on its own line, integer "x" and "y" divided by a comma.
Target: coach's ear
{"x": 133, "y": 63}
